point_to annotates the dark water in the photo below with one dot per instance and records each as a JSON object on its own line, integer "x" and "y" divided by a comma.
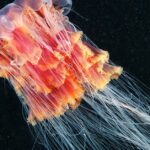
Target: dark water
{"x": 120, "y": 26}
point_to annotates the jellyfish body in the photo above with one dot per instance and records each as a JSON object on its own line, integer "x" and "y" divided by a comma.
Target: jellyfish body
{"x": 53, "y": 67}
{"x": 48, "y": 63}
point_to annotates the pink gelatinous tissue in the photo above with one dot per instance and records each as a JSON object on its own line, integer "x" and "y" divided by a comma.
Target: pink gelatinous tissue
{"x": 44, "y": 57}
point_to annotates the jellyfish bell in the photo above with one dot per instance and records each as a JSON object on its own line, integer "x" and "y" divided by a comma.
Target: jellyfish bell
{"x": 10, "y": 16}
{"x": 30, "y": 3}
{"x": 64, "y": 5}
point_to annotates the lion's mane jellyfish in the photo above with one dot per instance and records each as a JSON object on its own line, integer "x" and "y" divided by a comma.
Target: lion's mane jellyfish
{"x": 62, "y": 80}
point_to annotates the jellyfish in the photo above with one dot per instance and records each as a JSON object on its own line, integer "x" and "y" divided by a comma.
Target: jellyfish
{"x": 73, "y": 96}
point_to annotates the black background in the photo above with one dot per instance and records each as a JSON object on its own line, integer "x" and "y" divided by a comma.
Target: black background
{"x": 120, "y": 26}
